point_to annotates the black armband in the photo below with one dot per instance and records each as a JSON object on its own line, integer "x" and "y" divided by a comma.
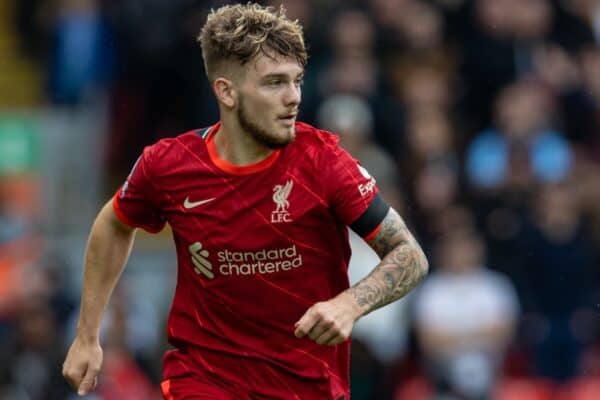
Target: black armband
{"x": 371, "y": 218}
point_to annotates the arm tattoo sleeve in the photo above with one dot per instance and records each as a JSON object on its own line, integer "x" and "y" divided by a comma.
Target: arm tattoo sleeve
{"x": 402, "y": 266}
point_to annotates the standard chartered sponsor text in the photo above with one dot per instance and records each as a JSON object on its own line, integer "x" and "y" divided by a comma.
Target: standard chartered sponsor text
{"x": 261, "y": 262}
{"x": 266, "y": 261}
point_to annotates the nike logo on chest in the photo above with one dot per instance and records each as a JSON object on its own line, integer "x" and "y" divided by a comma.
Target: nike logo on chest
{"x": 191, "y": 204}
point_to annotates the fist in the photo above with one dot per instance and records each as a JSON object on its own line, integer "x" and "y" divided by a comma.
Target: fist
{"x": 82, "y": 365}
{"x": 329, "y": 322}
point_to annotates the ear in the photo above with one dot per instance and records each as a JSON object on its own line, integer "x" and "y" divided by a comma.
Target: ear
{"x": 225, "y": 91}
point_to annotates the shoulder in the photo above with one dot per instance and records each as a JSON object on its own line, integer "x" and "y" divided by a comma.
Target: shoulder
{"x": 432, "y": 295}
{"x": 550, "y": 138}
{"x": 309, "y": 137}
{"x": 314, "y": 136}
{"x": 169, "y": 150}
{"x": 495, "y": 280}
{"x": 488, "y": 138}
{"x": 433, "y": 283}
{"x": 165, "y": 148}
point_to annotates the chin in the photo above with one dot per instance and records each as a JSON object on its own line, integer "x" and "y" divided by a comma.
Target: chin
{"x": 290, "y": 133}
{"x": 284, "y": 134}
{"x": 282, "y": 139}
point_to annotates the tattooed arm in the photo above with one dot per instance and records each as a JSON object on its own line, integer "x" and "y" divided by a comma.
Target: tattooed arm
{"x": 402, "y": 266}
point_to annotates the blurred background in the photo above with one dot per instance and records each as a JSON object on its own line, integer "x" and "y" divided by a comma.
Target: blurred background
{"x": 479, "y": 119}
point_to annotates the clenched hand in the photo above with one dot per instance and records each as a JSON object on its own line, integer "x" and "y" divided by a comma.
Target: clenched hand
{"x": 329, "y": 322}
{"x": 82, "y": 365}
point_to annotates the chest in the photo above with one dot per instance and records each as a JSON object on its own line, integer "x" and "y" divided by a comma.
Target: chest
{"x": 281, "y": 205}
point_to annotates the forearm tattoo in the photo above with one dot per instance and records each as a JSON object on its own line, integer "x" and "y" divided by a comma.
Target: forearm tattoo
{"x": 402, "y": 266}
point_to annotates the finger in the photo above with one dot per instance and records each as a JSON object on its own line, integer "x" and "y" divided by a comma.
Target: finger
{"x": 89, "y": 381}
{"x": 337, "y": 339}
{"x": 327, "y": 336}
{"x": 73, "y": 377}
{"x": 306, "y": 323}
{"x": 319, "y": 328}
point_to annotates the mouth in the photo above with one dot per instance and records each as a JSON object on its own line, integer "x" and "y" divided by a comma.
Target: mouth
{"x": 288, "y": 118}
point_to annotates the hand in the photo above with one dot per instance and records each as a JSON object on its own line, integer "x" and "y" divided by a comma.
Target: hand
{"x": 329, "y": 322}
{"x": 82, "y": 365}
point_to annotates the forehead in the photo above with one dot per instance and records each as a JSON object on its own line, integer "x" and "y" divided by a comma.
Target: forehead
{"x": 264, "y": 65}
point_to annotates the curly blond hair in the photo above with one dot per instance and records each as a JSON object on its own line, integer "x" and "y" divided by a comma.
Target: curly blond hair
{"x": 239, "y": 33}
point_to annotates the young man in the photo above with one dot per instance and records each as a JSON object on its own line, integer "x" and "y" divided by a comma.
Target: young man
{"x": 259, "y": 206}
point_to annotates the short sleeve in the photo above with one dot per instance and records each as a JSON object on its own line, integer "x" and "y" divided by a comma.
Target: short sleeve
{"x": 137, "y": 202}
{"x": 349, "y": 187}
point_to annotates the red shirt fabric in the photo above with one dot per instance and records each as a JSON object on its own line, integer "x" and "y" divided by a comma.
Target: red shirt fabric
{"x": 257, "y": 245}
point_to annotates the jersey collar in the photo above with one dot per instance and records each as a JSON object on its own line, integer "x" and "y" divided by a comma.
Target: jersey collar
{"x": 209, "y": 135}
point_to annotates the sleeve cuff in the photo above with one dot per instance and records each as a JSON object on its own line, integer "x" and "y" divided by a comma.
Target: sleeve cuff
{"x": 123, "y": 218}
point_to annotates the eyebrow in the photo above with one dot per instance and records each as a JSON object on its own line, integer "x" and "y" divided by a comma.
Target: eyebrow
{"x": 281, "y": 76}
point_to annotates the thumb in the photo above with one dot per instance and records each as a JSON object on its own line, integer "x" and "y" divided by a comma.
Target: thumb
{"x": 89, "y": 382}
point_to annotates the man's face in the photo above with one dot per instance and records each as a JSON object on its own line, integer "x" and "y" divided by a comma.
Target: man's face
{"x": 269, "y": 96}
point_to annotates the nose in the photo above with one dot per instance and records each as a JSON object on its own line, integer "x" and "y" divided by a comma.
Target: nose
{"x": 293, "y": 95}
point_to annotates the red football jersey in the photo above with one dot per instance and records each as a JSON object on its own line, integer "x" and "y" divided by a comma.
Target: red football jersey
{"x": 257, "y": 245}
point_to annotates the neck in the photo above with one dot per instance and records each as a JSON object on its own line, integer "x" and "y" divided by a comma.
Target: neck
{"x": 237, "y": 146}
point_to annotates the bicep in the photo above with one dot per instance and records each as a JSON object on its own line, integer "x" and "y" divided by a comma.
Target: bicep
{"x": 392, "y": 232}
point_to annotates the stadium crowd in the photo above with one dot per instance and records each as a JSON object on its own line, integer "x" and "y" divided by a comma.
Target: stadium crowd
{"x": 479, "y": 119}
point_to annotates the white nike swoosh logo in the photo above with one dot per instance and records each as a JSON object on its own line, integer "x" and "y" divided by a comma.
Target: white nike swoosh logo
{"x": 191, "y": 204}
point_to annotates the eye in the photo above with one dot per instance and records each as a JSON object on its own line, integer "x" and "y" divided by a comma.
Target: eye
{"x": 274, "y": 82}
{"x": 299, "y": 82}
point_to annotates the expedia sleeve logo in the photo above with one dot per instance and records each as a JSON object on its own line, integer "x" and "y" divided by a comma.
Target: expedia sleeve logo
{"x": 365, "y": 188}
{"x": 266, "y": 261}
